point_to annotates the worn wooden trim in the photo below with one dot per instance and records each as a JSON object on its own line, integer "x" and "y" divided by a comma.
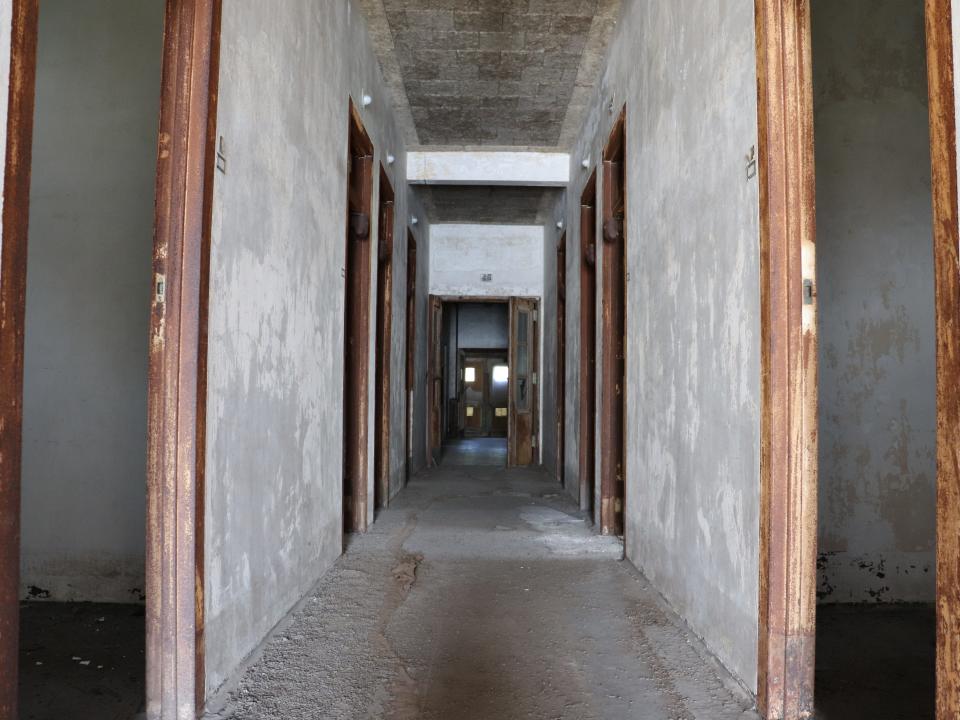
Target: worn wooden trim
{"x": 209, "y": 184}
{"x": 789, "y": 361}
{"x": 384, "y": 343}
{"x": 612, "y": 405}
{"x": 410, "y": 351}
{"x": 561, "y": 390}
{"x": 13, "y": 284}
{"x": 357, "y": 308}
{"x": 943, "y": 142}
{"x": 588, "y": 342}
{"x": 174, "y": 651}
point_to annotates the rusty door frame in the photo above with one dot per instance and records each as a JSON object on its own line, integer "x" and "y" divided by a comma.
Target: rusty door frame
{"x": 561, "y": 401}
{"x": 588, "y": 343}
{"x": 178, "y": 353}
{"x": 358, "y": 258}
{"x": 384, "y": 344}
{"x": 411, "y": 348}
{"x": 434, "y": 376}
{"x": 946, "y": 239}
{"x": 788, "y": 520}
{"x": 13, "y": 284}
{"x": 613, "y": 329}
{"x": 177, "y": 362}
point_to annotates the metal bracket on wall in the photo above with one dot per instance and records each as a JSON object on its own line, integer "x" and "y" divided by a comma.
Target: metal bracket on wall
{"x": 808, "y": 292}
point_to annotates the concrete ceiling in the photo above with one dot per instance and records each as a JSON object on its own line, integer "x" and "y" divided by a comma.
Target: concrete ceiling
{"x": 491, "y": 73}
{"x": 488, "y": 204}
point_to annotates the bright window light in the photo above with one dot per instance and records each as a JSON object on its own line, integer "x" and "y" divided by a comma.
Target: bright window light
{"x": 501, "y": 374}
{"x": 470, "y": 374}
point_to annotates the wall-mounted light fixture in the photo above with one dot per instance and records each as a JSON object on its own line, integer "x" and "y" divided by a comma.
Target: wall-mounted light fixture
{"x": 391, "y": 159}
{"x": 560, "y": 225}
{"x": 586, "y": 163}
{"x": 414, "y": 220}
{"x": 367, "y": 101}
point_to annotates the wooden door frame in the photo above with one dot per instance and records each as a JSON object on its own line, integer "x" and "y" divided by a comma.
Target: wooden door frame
{"x": 356, "y": 360}
{"x": 176, "y": 378}
{"x": 535, "y": 372}
{"x": 789, "y": 434}
{"x": 588, "y": 344}
{"x": 613, "y": 420}
{"x": 384, "y": 344}
{"x": 411, "y": 349}
{"x": 13, "y": 286}
{"x": 561, "y": 358}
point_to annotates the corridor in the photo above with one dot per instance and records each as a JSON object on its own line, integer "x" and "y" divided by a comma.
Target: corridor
{"x": 482, "y": 593}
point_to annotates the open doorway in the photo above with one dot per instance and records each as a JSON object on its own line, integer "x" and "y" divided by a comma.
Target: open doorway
{"x": 475, "y": 342}
{"x": 873, "y": 312}
{"x": 384, "y": 349}
{"x": 876, "y": 566}
{"x": 613, "y": 333}
{"x": 85, "y": 359}
{"x": 356, "y": 350}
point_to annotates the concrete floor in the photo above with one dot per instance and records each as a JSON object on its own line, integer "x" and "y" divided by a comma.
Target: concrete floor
{"x": 466, "y": 452}
{"x": 876, "y": 662}
{"x": 482, "y": 594}
{"x": 81, "y": 660}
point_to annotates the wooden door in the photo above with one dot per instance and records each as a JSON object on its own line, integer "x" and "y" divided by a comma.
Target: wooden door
{"x": 523, "y": 382}
{"x": 356, "y": 351}
{"x": 384, "y": 351}
{"x": 411, "y": 344}
{"x": 474, "y": 397}
{"x": 613, "y": 329}
{"x": 561, "y": 357}
{"x": 434, "y": 430}
{"x": 588, "y": 342}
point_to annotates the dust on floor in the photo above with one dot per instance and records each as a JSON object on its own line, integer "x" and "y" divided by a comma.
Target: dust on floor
{"x": 482, "y": 594}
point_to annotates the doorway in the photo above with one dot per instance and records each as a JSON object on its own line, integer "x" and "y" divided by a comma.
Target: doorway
{"x": 85, "y": 359}
{"x": 561, "y": 401}
{"x": 356, "y": 351}
{"x": 876, "y": 332}
{"x": 411, "y": 347}
{"x": 384, "y": 349}
{"x": 474, "y": 344}
{"x": 588, "y": 343}
{"x": 177, "y": 229}
{"x": 880, "y": 453}
{"x": 613, "y": 333}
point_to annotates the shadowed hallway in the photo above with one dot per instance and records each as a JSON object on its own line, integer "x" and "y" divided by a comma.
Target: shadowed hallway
{"x": 483, "y": 593}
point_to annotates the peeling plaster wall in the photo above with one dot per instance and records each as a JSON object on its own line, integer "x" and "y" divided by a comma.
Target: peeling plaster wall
{"x": 877, "y": 317}
{"x": 88, "y": 303}
{"x": 687, "y": 73}
{"x": 275, "y": 386}
{"x": 461, "y": 254}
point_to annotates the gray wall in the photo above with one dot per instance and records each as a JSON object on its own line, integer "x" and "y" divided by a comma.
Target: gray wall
{"x": 687, "y": 72}
{"x": 877, "y": 322}
{"x": 88, "y": 298}
{"x": 275, "y": 392}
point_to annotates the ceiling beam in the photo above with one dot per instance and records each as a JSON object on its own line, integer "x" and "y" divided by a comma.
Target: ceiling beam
{"x": 532, "y": 169}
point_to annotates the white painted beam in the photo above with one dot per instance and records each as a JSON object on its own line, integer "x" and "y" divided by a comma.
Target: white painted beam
{"x": 536, "y": 169}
